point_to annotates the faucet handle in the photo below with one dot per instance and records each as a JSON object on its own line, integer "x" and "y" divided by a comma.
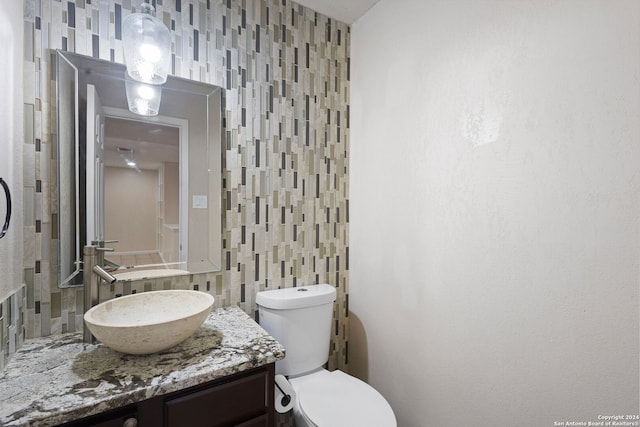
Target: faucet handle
{"x": 101, "y": 243}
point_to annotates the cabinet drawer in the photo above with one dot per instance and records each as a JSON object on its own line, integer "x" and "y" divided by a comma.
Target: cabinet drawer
{"x": 225, "y": 404}
{"x": 113, "y": 418}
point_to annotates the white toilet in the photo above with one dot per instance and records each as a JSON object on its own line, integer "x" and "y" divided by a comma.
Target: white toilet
{"x": 300, "y": 319}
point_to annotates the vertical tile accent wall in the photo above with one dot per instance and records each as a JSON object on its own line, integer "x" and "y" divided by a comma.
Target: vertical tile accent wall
{"x": 12, "y": 330}
{"x": 285, "y": 70}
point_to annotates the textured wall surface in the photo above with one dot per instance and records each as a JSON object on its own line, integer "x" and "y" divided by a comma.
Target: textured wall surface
{"x": 506, "y": 254}
{"x": 12, "y": 293}
{"x": 285, "y": 70}
{"x": 12, "y": 327}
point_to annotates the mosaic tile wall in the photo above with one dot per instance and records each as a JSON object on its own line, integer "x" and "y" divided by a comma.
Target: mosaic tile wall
{"x": 285, "y": 178}
{"x": 12, "y": 330}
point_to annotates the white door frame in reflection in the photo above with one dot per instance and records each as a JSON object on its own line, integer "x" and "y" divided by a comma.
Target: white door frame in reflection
{"x": 183, "y": 159}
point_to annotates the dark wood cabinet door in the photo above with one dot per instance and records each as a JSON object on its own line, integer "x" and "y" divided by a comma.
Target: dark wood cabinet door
{"x": 220, "y": 405}
{"x": 262, "y": 421}
{"x": 240, "y": 400}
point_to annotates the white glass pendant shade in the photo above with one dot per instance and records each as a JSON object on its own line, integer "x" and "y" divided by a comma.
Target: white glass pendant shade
{"x": 142, "y": 98}
{"x": 147, "y": 46}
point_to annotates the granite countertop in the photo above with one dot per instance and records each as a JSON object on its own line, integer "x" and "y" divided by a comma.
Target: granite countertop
{"x": 59, "y": 378}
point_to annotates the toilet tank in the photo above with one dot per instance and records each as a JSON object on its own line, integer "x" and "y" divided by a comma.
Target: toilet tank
{"x": 300, "y": 319}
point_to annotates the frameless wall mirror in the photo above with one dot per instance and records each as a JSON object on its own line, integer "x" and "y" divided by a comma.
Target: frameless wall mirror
{"x": 150, "y": 185}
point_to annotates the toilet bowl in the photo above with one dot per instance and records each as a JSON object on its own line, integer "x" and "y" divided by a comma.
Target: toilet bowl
{"x": 335, "y": 399}
{"x": 300, "y": 319}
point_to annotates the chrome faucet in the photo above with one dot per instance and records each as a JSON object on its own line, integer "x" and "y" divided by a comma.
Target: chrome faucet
{"x": 110, "y": 265}
{"x": 93, "y": 275}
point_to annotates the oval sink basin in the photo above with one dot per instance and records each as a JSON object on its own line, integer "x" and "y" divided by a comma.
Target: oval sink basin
{"x": 148, "y": 322}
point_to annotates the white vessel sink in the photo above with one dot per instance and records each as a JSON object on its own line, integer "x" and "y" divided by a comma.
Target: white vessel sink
{"x": 148, "y": 322}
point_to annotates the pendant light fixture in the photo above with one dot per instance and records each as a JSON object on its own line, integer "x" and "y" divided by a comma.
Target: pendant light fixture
{"x": 147, "y": 46}
{"x": 142, "y": 98}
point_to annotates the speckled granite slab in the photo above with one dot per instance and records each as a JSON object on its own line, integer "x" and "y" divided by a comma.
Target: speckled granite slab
{"x": 59, "y": 378}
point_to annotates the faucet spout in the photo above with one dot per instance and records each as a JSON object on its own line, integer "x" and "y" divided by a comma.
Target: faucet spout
{"x": 105, "y": 275}
{"x": 93, "y": 275}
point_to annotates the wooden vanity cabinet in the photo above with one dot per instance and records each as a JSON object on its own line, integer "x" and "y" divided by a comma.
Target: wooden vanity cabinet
{"x": 240, "y": 400}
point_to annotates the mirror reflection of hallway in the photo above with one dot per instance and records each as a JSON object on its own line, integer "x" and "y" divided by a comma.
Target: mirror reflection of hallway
{"x": 195, "y": 114}
{"x": 142, "y": 192}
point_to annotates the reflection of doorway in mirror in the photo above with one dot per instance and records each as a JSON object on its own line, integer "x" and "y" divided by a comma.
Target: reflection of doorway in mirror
{"x": 131, "y": 197}
{"x": 169, "y": 234}
{"x": 142, "y": 193}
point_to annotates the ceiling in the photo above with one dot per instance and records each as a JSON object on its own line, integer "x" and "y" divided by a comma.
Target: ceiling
{"x": 347, "y": 11}
{"x": 147, "y": 144}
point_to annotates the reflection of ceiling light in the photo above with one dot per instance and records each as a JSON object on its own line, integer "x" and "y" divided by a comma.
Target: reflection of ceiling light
{"x": 127, "y": 155}
{"x": 143, "y": 99}
{"x": 147, "y": 46}
{"x": 145, "y": 92}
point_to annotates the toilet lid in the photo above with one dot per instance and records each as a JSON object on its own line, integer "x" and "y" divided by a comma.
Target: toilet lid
{"x": 336, "y": 399}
